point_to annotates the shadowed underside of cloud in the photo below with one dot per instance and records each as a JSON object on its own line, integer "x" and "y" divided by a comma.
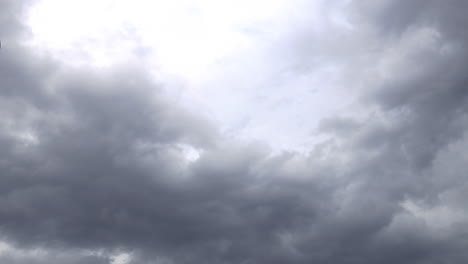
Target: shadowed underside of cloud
{"x": 92, "y": 160}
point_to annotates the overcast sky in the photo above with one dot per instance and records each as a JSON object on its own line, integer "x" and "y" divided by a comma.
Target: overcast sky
{"x": 233, "y": 131}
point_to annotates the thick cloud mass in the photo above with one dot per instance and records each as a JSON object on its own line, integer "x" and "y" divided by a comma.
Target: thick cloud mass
{"x": 93, "y": 159}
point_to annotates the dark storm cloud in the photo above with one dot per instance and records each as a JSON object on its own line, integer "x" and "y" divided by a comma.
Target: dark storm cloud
{"x": 90, "y": 159}
{"x": 429, "y": 92}
{"x": 395, "y": 17}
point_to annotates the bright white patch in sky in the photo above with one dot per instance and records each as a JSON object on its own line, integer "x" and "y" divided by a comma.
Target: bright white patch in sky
{"x": 190, "y": 153}
{"x": 27, "y": 138}
{"x": 185, "y": 36}
{"x": 230, "y": 60}
{"x": 122, "y": 258}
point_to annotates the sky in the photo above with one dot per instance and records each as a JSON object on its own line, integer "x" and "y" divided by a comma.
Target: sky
{"x": 222, "y": 132}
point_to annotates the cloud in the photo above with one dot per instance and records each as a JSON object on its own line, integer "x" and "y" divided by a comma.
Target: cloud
{"x": 12, "y": 255}
{"x": 90, "y": 159}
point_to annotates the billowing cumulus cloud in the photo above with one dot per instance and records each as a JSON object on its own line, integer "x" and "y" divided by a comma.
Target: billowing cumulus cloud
{"x": 100, "y": 165}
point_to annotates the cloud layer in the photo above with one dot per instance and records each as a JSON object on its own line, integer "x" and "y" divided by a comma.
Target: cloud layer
{"x": 93, "y": 162}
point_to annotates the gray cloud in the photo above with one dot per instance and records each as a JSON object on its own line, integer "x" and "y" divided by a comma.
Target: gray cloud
{"x": 90, "y": 159}
{"x": 38, "y": 257}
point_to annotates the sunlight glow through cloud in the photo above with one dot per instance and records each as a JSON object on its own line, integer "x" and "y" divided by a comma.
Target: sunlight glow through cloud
{"x": 219, "y": 51}
{"x": 186, "y": 36}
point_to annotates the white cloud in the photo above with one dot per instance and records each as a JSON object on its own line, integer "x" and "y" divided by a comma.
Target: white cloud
{"x": 220, "y": 58}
